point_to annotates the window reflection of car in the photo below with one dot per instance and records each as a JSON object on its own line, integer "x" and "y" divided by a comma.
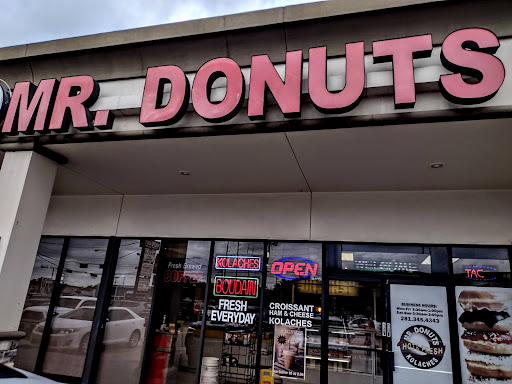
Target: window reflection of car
{"x": 216, "y": 329}
{"x": 333, "y": 321}
{"x": 139, "y": 307}
{"x": 72, "y": 329}
{"x": 32, "y": 316}
{"x": 358, "y": 322}
{"x": 11, "y": 375}
{"x": 211, "y": 325}
{"x": 74, "y": 302}
{"x": 146, "y": 311}
{"x": 34, "y": 300}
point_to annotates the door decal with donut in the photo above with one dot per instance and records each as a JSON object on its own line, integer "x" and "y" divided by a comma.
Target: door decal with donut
{"x": 485, "y": 334}
{"x": 420, "y": 334}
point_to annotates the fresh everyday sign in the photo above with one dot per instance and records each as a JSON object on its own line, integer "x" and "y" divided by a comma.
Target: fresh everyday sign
{"x": 232, "y": 311}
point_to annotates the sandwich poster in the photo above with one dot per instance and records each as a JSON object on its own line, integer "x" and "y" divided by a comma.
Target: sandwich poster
{"x": 289, "y": 352}
{"x": 484, "y": 317}
{"x": 420, "y": 335}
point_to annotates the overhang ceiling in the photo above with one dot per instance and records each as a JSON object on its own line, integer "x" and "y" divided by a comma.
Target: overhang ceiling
{"x": 476, "y": 155}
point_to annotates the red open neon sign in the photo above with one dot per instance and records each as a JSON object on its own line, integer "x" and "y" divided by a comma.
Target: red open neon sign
{"x": 292, "y": 268}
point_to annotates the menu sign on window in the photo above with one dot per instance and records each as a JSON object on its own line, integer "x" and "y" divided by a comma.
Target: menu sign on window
{"x": 147, "y": 264}
{"x": 420, "y": 334}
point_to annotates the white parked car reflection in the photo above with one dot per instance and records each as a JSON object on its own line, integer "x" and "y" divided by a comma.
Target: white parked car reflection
{"x": 74, "y": 302}
{"x": 32, "y": 316}
{"x": 9, "y": 375}
{"x": 72, "y": 329}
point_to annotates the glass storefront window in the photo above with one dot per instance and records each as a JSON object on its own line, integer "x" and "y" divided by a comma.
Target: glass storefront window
{"x": 382, "y": 258}
{"x": 38, "y": 299}
{"x": 230, "y": 345}
{"x": 288, "y": 346}
{"x": 79, "y": 285}
{"x": 178, "y": 311}
{"x": 292, "y": 312}
{"x": 130, "y": 306}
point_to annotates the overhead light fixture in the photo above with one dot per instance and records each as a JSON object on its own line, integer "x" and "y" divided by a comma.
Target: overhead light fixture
{"x": 184, "y": 173}
{"x": 436, "y": 165}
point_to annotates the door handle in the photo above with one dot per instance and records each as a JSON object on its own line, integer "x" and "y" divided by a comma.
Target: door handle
{"x": 386, "y": 329}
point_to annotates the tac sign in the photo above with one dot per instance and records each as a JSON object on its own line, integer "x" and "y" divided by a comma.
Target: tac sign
{"x": 480, "y": 272}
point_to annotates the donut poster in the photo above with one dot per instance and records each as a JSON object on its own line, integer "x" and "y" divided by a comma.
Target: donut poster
{"x": 420, "y": 334}
{"x": 485, "y": 334}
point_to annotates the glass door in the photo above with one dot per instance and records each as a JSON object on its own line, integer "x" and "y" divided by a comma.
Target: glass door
{"x": 361, "y": 321}
{"x": 357, "y": 331}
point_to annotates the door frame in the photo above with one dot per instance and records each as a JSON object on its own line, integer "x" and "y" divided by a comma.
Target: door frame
{"x": 384, "y": 288}
{"x": 385, "y": 280}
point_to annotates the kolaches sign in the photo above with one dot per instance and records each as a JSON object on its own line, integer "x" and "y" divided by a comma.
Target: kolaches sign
{"x": 54, "y": 105}
{"x": 240, "y": 263}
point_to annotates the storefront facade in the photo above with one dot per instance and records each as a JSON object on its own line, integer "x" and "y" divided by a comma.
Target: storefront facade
{"x": 317, "y": 193}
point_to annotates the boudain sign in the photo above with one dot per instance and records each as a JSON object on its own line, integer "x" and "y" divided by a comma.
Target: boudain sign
{"x": 53, "y": 105}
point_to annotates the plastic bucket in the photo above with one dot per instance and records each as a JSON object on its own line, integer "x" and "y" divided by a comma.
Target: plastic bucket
{"x": 210, "y": 361}
{"x": 209, "y": 370}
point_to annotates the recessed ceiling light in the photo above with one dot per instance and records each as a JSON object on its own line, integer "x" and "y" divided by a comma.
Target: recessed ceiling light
{"x": 437, "y": 165}
{"x": 184, "y": 173}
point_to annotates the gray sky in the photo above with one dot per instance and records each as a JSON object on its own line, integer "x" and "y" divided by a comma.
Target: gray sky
{"x": 29, "y": 21}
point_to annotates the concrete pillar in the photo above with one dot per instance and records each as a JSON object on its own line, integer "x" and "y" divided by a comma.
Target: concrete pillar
{"x": 26, "y": 183}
